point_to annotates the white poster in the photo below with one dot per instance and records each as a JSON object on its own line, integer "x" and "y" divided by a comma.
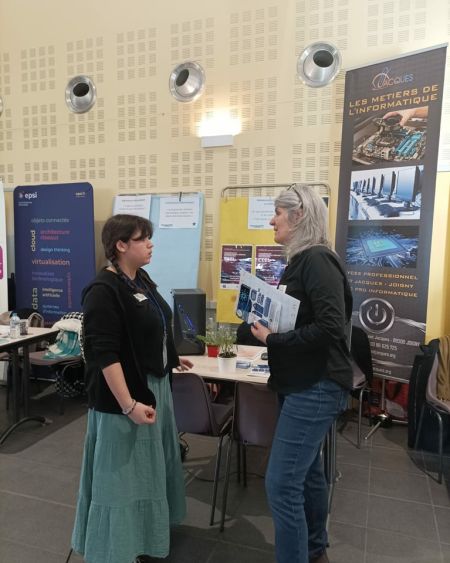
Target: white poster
{"x": 3, "y": 263}
{"x": 260, "y": 212}
{"x": 179, "y": 212}
{"x": 133, "y": 205}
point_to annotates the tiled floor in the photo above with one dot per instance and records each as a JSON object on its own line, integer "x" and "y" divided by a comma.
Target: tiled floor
{"x": 386, "y": 509}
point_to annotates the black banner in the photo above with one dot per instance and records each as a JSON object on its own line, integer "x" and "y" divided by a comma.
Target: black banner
{"x": 390, "y": 141}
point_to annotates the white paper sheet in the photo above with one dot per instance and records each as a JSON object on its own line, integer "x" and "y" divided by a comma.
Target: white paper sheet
{"x": 179, "y": 212}
{"x": 260, "y": 212}
{"x": 133, "y": 205}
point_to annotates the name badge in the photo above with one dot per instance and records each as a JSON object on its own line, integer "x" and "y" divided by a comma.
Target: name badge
{"x": 140, "y": 297}
{"x": 282, "y": 288}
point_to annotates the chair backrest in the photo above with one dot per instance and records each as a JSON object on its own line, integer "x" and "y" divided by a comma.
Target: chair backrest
{"x": 36, "y": 320}
{"x": 361, "y": 352}
{"x": 418, "y": 382}
{"x": 432, "y": 381}
{"x": 431, "y": 393}
{"x": 255, "y": 415}
{"x": 192, "y": 405}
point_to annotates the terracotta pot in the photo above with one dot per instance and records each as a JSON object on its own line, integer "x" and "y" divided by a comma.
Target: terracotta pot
{"x": 212, "y": 350}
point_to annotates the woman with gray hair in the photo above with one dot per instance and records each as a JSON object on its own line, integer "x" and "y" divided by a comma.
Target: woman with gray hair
{"x": 310, "y": 370}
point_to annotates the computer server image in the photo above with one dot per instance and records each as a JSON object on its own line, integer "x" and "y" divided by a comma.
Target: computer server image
{"x": 189, "y": 320}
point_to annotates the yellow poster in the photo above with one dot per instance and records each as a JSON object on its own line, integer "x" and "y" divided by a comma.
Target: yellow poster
{"x": 237, "y": 249}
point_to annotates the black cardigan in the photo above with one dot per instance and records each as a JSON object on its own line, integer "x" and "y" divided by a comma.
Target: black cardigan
{"x": 316, "y": 349}
{"x": 120, "y": 328}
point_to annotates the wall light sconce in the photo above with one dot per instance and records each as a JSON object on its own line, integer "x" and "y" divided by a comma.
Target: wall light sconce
{"x": 218, "y": 129}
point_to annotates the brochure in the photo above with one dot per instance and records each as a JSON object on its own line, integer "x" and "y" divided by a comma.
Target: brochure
{"x": 259, "y": 301}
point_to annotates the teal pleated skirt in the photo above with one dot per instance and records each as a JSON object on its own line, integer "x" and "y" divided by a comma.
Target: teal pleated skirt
{"x": 131, "y": 484}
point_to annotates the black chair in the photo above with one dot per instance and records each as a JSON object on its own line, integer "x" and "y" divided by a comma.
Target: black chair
{"x": 195, "y": 413}
{"x": 361, "y": 359}
{"x": 255, "y": 417}
{"x": 436, "y": 406}
{"x": 68, "y": 369}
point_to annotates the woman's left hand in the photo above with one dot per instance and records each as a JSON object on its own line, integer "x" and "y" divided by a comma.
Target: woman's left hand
{"x": 260, "y": 332}
{"x": 185, "y": 365}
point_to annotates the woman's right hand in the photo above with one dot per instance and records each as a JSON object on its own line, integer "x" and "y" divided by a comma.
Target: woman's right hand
{"x": 143, "y": 414}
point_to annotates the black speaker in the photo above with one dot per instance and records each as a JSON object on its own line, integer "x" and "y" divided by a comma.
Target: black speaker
{"x": 189, "y": 320}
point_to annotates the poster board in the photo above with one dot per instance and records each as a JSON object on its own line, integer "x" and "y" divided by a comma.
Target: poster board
{"x": 177, "y": 240}
{"x": 234, "y": 232}
{"x": 54, "y": 247}
{"x": 390, "y": 141}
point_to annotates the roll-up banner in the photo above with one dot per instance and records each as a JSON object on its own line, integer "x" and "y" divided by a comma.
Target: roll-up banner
{"x": 54, "y": 247}
{"x": 3, "y": 261}
{"x": 390, "y": 140}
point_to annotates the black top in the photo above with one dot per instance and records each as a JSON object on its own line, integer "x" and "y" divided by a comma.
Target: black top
{"x": 120, "y": 326}
{"x": 317, "y": 348}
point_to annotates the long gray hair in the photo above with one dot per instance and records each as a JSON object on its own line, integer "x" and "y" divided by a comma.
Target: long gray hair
{"x": 312, "y": 228}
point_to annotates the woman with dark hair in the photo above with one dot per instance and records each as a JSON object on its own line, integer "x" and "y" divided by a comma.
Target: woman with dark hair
{"x": 310, "y": 370}
{"x": 131, "y": 485}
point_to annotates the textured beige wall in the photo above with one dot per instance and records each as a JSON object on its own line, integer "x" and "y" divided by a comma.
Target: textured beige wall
{"x": 139, "y": 139}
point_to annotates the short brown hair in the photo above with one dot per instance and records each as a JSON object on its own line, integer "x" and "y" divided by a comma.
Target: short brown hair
{"x": 123, "y": 227}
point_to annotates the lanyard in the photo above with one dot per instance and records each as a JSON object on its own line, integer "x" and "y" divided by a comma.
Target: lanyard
{"x": 140, "y": 285}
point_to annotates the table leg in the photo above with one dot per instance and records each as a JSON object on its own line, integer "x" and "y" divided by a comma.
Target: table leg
{"x": 15, "y": 383}
{"x": 21, "y": 384}
{"x": 25, "y": 379}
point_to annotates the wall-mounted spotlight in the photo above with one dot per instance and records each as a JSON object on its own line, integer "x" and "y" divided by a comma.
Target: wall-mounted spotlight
{"x": 318, "y": 64}
{"x": 1, "y": 105}
{"x": 218, "y": 129}
{"x": 81, "y": 94}
{"x": 186, "y": 81}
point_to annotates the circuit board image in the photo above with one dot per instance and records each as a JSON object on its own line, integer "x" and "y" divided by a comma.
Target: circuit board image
{"x": 381, "y": 139}
{"x": 388, "y": 248}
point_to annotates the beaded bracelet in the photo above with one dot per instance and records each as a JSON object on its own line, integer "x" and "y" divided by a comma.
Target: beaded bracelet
{"x": 130, "y": 409}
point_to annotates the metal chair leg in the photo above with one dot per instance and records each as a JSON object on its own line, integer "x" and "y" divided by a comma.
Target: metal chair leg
{"x": 360, "y": 403}
{"x": 225, "y": 485}
{"x": 441, "y": 440}
{"x": 238, "y": 458}
{"x": 244, "y": 463}
{"x": 419, "y": 428}
{"x": 216, "y": 479}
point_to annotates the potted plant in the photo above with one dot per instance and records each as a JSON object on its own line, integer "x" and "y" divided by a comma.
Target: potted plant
{"x": 211, "y": 341}
{"x": 227, "y": 349}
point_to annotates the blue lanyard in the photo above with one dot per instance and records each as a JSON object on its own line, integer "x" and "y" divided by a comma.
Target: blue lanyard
{"x": 148, "y": 293}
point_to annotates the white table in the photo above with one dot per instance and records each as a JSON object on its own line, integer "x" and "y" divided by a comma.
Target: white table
{"x": 20, "y": 377}
{"x": 208, "y": 368}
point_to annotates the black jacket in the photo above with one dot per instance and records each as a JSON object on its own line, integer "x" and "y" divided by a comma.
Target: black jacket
{"x": 317, "y": 348}
{"x": 120, "y": 328}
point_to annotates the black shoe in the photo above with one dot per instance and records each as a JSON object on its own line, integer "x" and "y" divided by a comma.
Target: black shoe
{"x": 322, "y": 558}
{"x": 184, "y": 448}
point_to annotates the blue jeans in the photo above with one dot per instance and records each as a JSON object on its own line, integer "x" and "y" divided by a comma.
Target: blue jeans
{"x": 296, "y": 487}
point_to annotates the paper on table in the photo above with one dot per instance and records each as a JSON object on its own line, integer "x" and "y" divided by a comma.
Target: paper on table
{"x": 259, "y": 301}
{"x": 249, "y": 354}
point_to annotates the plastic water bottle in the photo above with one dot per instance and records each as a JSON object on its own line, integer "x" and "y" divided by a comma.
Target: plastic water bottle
{"x": 14, "y": 326}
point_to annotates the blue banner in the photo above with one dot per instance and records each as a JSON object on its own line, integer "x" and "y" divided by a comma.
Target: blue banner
{"x": 54, "y": 247}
